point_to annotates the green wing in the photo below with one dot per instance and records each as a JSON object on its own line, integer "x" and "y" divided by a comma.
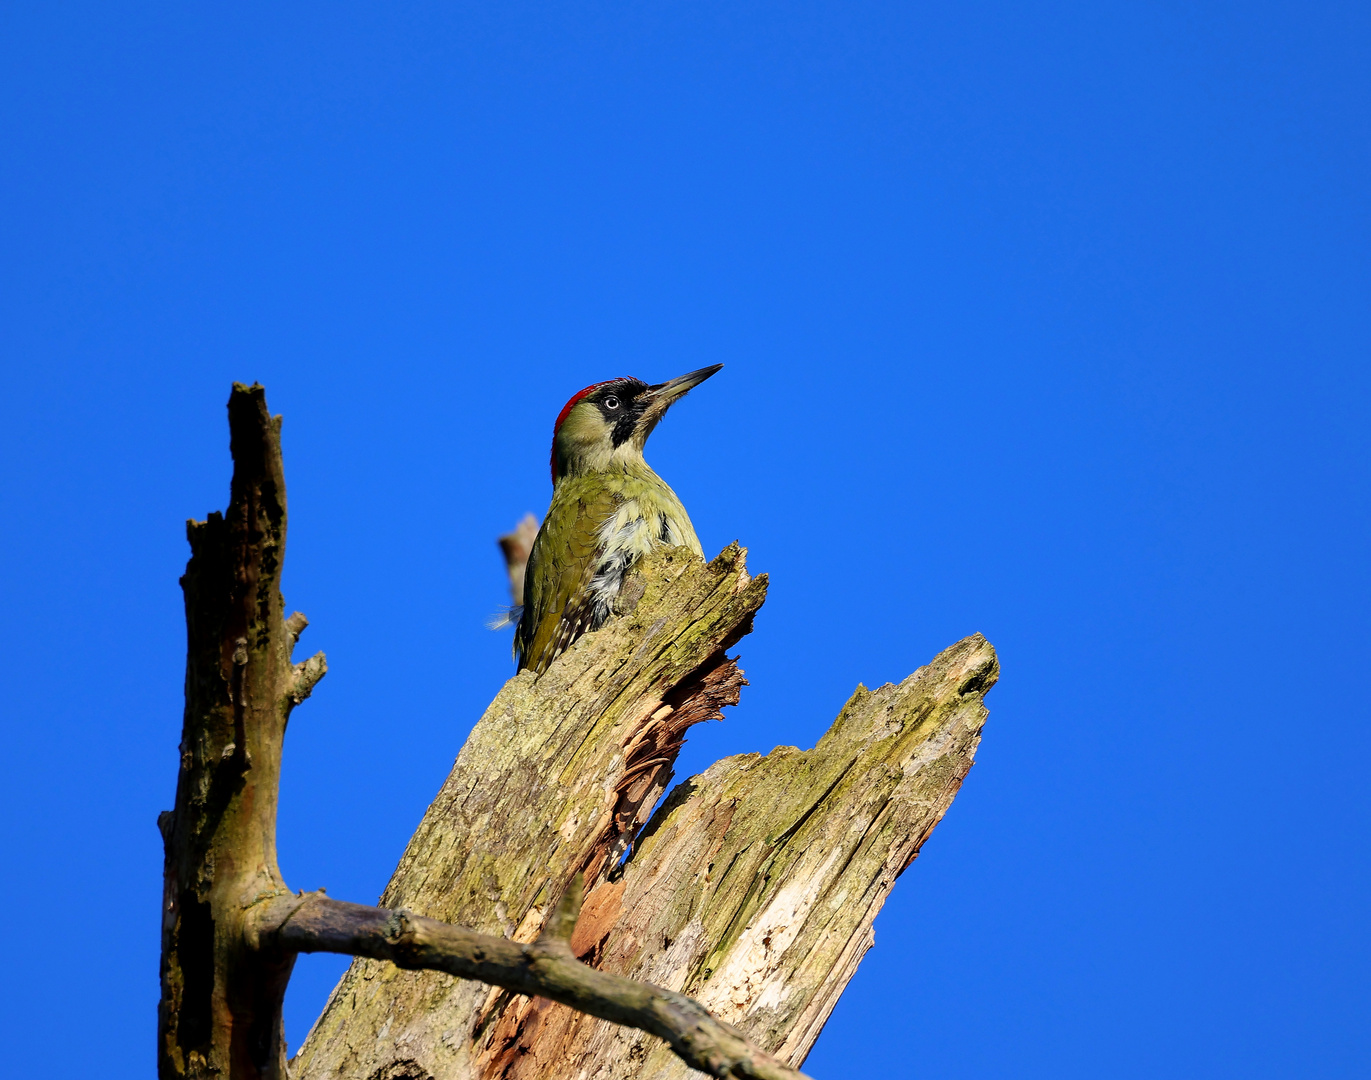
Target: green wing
{"x": 560, "y": 567}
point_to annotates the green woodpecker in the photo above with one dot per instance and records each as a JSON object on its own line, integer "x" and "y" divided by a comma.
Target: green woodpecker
{"x": 608, "y": 509}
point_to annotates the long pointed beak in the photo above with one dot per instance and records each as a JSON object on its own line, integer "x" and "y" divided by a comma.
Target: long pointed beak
{"x": 657, "y": 399}
{"x": 663, "y": 394}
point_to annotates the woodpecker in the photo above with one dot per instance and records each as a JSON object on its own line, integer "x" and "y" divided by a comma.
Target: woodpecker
{"x": 608, "y": 510}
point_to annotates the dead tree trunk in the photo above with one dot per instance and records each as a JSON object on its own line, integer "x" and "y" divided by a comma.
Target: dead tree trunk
{"x": 230, "y": 927}
{"x": 753, "y": 887}
{"x": 220, "y": 1008}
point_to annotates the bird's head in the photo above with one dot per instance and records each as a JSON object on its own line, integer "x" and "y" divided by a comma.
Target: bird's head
{"x": 609, "y": 422}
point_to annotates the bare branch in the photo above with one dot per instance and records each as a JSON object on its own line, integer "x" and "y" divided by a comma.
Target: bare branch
{"x": 305, "y": 675}
{"x": 295, "y": 625}
{"x": 545, "y": 968}
{"x": 516, "y": 546}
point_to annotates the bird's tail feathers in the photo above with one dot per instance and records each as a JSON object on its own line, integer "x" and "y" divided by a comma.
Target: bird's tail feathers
{"x": 509, "y": 616}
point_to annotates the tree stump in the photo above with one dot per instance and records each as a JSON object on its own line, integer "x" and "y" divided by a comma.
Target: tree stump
{"x": 753, "y": 888}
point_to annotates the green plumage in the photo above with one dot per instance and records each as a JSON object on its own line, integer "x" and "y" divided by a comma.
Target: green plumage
{"x": 608, "y": 511}
{"x": 598, "y": 525}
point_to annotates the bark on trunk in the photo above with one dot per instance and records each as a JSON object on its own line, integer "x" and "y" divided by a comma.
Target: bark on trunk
{"x": 220, "y": 1012}
{"x": 753, "y": 887}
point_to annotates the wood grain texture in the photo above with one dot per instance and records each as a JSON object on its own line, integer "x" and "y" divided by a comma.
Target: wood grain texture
{"x": 753, "y": 888}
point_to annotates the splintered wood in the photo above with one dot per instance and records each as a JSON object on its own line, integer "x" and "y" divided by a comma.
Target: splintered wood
{"x": 753, "y": 888}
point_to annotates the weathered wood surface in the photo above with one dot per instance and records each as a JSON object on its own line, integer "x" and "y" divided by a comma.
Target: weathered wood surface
{"x": 753, "y": 888}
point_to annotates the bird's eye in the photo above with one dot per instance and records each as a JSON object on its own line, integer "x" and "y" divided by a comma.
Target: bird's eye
{"x": 611, "y": 402}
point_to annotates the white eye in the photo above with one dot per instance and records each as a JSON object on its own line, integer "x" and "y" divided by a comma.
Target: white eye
{"x": 611, "y": 402}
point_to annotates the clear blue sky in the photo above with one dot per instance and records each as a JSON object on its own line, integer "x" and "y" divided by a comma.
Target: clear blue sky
{"x": 1044, "y": 320}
